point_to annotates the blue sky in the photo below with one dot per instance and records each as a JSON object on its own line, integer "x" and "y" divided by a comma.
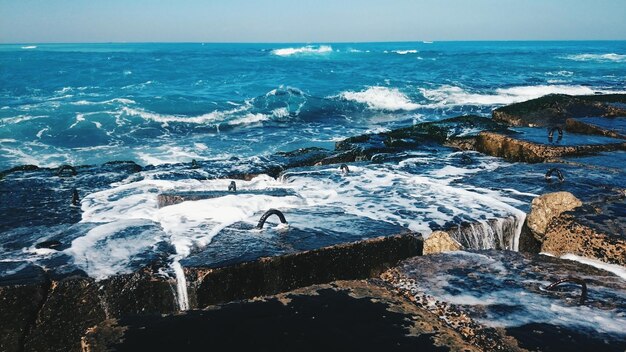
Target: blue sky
{"x": 24, "y": 21}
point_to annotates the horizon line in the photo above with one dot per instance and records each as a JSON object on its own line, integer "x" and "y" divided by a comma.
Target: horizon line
{"x": 320, "y": 42}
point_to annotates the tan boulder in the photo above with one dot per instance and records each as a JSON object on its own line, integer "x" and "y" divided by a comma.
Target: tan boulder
{"x": 547, "y": 207}
{"x": 440, "y": 241}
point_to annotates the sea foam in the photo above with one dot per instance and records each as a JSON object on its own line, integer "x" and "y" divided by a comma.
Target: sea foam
{"x": 610, "y": 57}
{"x": 308, "y": 50}
{"x": 381, "y": 98}
{"x": 451, "y": 95}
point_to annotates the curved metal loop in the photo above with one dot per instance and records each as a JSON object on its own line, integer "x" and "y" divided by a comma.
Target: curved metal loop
{"x": 232, "y": 186}
{"x": 581, "y": 282}
{"x": 558, "y": 172}
{"x": 555, "y": 128}
{"x": 344, "y": 169}
{"x": 75, "y": 199}
{"x": 268, "y": 214}
{"x": 60, "y": 171}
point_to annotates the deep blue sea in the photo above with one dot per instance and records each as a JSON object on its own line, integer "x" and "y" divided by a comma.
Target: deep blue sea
{"x": 165, "y": 103}
{"x": 232, "y": 107}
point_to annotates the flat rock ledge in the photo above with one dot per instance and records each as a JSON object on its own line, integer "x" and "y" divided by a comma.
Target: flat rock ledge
{"x": 512, "y": 149}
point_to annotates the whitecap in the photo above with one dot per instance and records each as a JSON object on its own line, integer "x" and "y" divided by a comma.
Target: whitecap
{"x": 610, "y": 57}
{"x": 452, "y": 95}
{"x": 404, "y": 52}
{"x": 29, "y": 47}
{"x": 308, "y": 50}
{"x": 381, "y": 98}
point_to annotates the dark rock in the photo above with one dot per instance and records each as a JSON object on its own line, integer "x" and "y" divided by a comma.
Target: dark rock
{"x": 21, "y": 297}
{"x": 139, "y": 293}
{"x": 53, "y": 244}
{"x": 555, "y": 109}
{"x": 344, "y": 315}
{"x": 72, "y": 306}
{"x": 271, "y": 275}
{"x": 166, "y": 199}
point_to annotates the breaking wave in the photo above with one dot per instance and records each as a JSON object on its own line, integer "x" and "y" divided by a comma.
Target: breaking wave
{"x": 381, "y": 98}
{"x": 308, "y": 50}
{"x": 611, "y": 57}
{"x": 451, "y": 95}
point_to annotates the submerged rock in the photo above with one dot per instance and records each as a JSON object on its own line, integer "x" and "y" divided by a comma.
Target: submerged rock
{"x": 440, "y": 241}
{"x": 578, "y": 126}
{"x": 488, "y": 296}
{"x": 545, "y": 208}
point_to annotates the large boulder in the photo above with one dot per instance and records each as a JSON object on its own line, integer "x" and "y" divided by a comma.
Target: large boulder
{"x": 440, "y": 241}
{"x": 545, "y": 208}
{"x": 595, "y": 231}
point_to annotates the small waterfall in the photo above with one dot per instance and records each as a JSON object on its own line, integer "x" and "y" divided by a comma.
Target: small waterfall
{"x": 181, "y": 286}
{"x": 500, "y": 233}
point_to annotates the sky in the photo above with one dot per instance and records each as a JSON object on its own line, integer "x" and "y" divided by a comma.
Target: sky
{"x": 65, "y": 21}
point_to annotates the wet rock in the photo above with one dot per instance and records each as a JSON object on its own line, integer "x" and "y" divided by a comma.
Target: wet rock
{"x": 555, "y": 109}
{"x": 440, "y": 241}
{"x": 271, "y": 275}
{"x": 595, "y": 231}
{"x": 53, "y": 244}
{"x": 166, "y": 199}
{"x": 453, "y": 129}
{"x": 21, "y": 296}
{"x": 577, "y": 126}
{"x": 303, "y": 157}
{"x": 72, "y": 306}
{"x": 513, "y": 149}
{"x": 545, "y": 208}
{"x": 141, "y": 293}
{"x": 497, "y": 299}
{"x": 344, "y": 315}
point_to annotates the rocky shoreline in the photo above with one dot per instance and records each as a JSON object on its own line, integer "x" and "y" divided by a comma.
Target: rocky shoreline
{"x": 72, "y": 312}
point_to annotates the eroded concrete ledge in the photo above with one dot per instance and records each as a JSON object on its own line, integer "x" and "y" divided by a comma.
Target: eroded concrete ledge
{"x": 512, "y": 149}
{"x": 271, "y": 275}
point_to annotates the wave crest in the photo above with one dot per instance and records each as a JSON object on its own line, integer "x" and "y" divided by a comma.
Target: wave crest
{"x": 610, "y": 57}
{"x": 307, "y": 50}
{"x": 451, "y": 95}
{"x": 381, "y": 98}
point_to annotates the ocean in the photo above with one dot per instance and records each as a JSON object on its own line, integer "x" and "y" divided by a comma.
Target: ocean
{"x": 169, "y": 103}
{"x": 235, "y": 107}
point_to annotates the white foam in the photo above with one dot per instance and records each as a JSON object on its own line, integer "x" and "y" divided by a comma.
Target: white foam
{"x": 610, "y": 57}
{"x": 235, "y": 116}
{"x": 381, "y": 98}
{"x": 451, "y": 95}
{"x": 305, "y": 50}
{"x": 404, "y": 52}
{"x": 110, "y": 101}
{"x": 29, "y": 47}
{"x": 613, "y": 268}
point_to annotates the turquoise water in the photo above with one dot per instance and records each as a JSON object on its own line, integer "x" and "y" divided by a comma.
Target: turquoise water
{"x": 232, "y": 107}
{"x": 164, "y": 103}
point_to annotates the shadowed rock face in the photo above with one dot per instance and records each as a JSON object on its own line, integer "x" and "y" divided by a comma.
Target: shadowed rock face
{"x": 512, "y": 149}
{"x": 554, "y": 109}
{"x": 345, "y": 315}
{"x": 596, "y": 231}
